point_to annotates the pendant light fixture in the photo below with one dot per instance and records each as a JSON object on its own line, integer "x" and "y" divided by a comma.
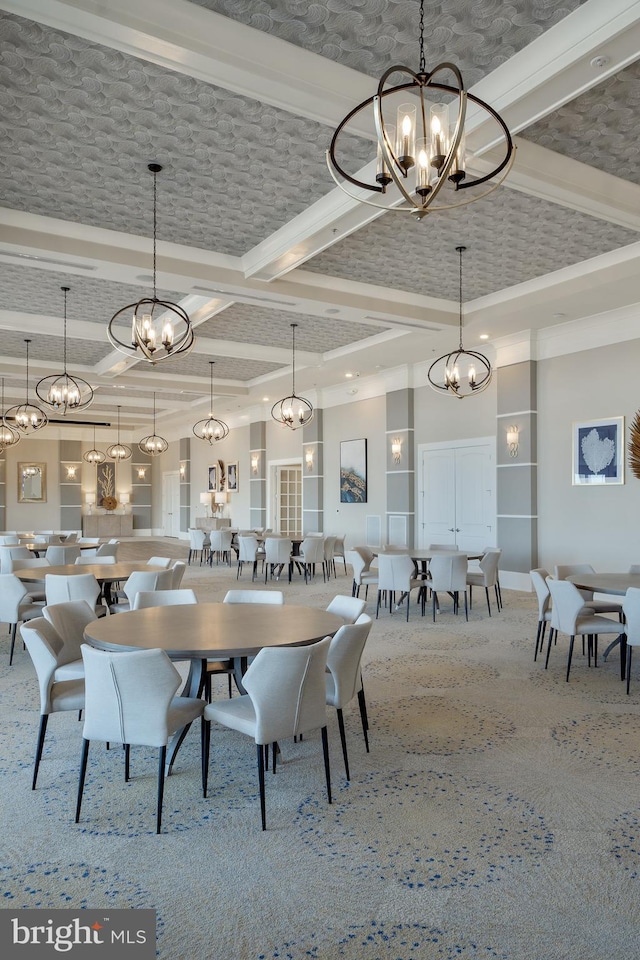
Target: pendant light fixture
{"x": 293, "y": 411}
{"x": 425, "y": 151}
{"x": 27, "y": 417}
{"x": 9, "y": 436}
{"x": 119, "y": 451}
{"x": 152, "y": 329}
{"x": 210, "y": 429}
{"x": 153, "y": 445}
{"x": 63, "y": 392}
{"x": 461, "y": 373}
{"x": 94, "y": 456}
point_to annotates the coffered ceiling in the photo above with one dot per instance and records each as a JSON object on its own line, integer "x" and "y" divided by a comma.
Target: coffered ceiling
{"x": 237, "y": 99}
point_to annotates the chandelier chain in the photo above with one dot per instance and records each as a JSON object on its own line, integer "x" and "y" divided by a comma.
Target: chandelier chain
{"x": 27, "y": 378}
{"x": 293, "y": 358}
{"x": 423, "y": 62}
{"x": 64, "y": 348}
{"x": 155, "y": 229}
{"x": 460, "y": 251}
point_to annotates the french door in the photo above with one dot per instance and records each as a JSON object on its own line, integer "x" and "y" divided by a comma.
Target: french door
{"x": 171, "y": 504}
{"x": 288, "y": 499}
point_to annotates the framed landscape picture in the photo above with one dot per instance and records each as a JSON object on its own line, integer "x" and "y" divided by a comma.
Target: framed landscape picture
{"x": 598, "y": 451}
{"x": 353, "y": 471}
{"x": 213, "y": 478}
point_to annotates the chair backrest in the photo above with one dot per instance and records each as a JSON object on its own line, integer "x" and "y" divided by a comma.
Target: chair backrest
{"x": 58, "y": 555}
{"x": 178, "y": 570}
{"x": 349, "y": 608}
{"x": 7, "y": 565}
{"x": 448, "y": 572}
{"x": 93, "y": 540}
{"x": 247, "y": 548}
{"x": 9, "y": 540}
{"x": 108, "y": 550}
{"x": 85, "y": 560}
{"x": 288, "y": 690}
{"x": 69, "y": 620}
{"x": 44, "y": 645}
{"x": 196, "y": 538}
{"x": 338, "y": 547}
{"x": 143, "y": 580}
{"x": 312, "y": 550}
{"x": 395, "y": 571}
{"x": 329, "y": 544}
{"x": 128, "y": 695}
{"x": 567, "y": 604}
{"x": 163, "y": 598}
{"x": 277, "y": 550}
{"x": 18, "y": 553}
{"x": 12, "y": 594}
{"x": 563, "y": 570}
{"x": 358, "y": 564}
{"x": 254, "y": 596}
{"x": 164, "y": 562}
{"x": 489, "y": 566}
{"x": 541, "y": 587}
{"x": 226, "y": 536}
{"x": 343, "y": 661}
{"x": 631, "y": 608}
{"x": 60, "y": 588}
{"x": 441, "y": 546}
{"x": 71, "y": 537}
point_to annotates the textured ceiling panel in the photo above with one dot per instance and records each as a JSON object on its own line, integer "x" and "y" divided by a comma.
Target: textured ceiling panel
{"x": 31, "y": 290}
{"x": 81, "y": 122}
{"x": 51, "y": 348}
{"x": 599, "y": 128}
{"x": 511, "y": 237}
{"x": 246, "y": 324}
{"x": 226, "y": 368}
{"x": 372, "y": 35}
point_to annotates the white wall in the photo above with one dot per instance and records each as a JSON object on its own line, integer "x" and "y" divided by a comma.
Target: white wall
{"x": 33, "y": 516}
{"x": 234, "y": 447}
{"x": 439, "y": 418}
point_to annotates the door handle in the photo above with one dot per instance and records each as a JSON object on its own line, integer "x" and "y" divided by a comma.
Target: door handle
{"x": 451, "y": 530}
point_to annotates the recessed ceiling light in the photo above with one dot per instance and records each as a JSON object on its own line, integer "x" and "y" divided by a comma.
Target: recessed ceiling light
{"x": 264, "y": 399}
{"x": 484, "y": 336}
{"x": 348, "y": 376}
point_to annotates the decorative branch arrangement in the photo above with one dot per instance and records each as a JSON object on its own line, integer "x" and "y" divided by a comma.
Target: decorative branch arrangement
{"x": 634, "y": 446}
{"x": 222, "y": 478}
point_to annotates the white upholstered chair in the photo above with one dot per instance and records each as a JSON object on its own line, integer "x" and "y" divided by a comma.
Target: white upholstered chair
{"x": 448, "y": 574}
{"x": 486, "y": 577}
{"x": 61, "y": 555}
{"x": 339, "y": 552}
{"x": 16, "y": 606}
{"x": 247, "y": 553}
{"x": 396, "y": 575}
{"x": 163, "y": 598}
{"x": 570, "y": 615}
{"x": 35, "y": 587}
{"x": 277, "y": 554}
{"x": 343, "y": 679}
{"x": 361, "y": 559}
{"x": 631, "y": 608}
{"x": 108, "y": 550}
{"x": 197, "y": 544}
{"x": 69, "y": 620}
{"x": 349, "y": 608}
{"x": 60, "y": 588}
{"x": 163, "y": 562}
{"x": 564, "y": 570}
{"x": 178, "y": 570}
{"x": 142, "y": 580}
{"x": 311, "y": 553}
{"x": 541, "y": 587}
{"x": 254, "y": 596}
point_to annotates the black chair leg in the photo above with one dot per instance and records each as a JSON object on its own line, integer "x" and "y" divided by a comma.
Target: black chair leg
{"x": 161, "y": 762}
{"x": 629, "y": 649}
{"x": 13, "y": 642}
{"x": 551, "y": 632}
{"x": 362, "y": 703}
{"x": 41, "y": 732}
{"x": 127, "y": 758}
{"x": 570, "y": 655}
{"x": 486, "y": 590}
{"x": 205, "y": 737}
{"x": 343, "y": 741}
{"x": 327, "y": 770}
{"x": 83, "y": 771}
{"x": 466, "y": 609}
{"x": 263, "y": 809}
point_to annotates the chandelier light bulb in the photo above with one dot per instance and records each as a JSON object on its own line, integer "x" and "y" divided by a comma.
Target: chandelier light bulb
{"x": 283, "y": 410}
{"x": 62, "y": 391}
{"x": 119, "y": 451}
{"x": 28, "y": 417}
{"x": 153, "y": 445}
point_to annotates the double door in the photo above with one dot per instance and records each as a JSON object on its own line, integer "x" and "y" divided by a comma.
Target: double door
{"x": 457, "y": 495}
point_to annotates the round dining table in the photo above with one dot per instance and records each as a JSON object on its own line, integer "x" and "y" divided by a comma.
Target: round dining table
{"x": 211, "y": 631}
{"x": 39, "y": 548}
{"x": 615, "y": 584}
{"x": 105, "y": 573}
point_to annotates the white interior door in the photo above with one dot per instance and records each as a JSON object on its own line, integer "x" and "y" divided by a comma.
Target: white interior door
{"x": 438, "y": 497}
{"x": 288, "y": 499}
{"x": 171, "y": 504}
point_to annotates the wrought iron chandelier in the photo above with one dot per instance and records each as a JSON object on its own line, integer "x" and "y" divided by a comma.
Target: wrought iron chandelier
{"x": 28, "y": 417}
{"x": 293, "y": 411}
{"x": 423, "y": 155}
{"x": 119, "y": 451}
{"x": 63, "y": 392}
{"x": 94, "y": 456}
{"x": 158, "y": 329}
{"x": 461, "y": 373}
{"x": 9, "y": 436}
{"x": 153, "y": 445}
{"x": 211, "y": 429}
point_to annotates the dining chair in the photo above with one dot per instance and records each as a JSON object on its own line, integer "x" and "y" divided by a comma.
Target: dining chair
{"x": 247, "y": 553}
{"x": 329, "y": 561}
{"x": 311, "y": 553}
{"x": 361, "y": 559}
{"x": 57, "y": 692}
{"x": 220, "y": 545}
{"x": 541, "y": 587}
{"x": 343, "y": 680}
{"x": 197, "y": 544}
{"x": 9, "y": 556}
{"x": 277, "y": 554}
{"x": 448, "y": 574}
{"x": 108, "y": 550}
{"x": 70, "y": 619}
{"x": 130, "y": 699}
{"x": 85, "y": 561}
{"x": 442, "y": 546}
{"x": 178, "y": 571}
{"x": 254, "y": 596}
{"x": 142, "y": 580}
{"x": 60, "y": 556}
{"x": 60, "y": 588}
{"x": 16, "y": 606}
{"x": 286, "y": 694}
{"x": 569, "y": 615}
{"x": 631, "y": 608}
{"x": 163, "y": 562}
{"x": 396, "y": 575}
{"x": 163, "y": 598}
{"x": 349, "y": 608}
{"x": 339, "y": 552}
{"x": 486, "y": 577}
{"x": 564, "y": 570}
{"x": 35, "y": 587}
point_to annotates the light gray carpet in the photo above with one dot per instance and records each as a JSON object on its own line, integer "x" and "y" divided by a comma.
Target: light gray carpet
{"x": 497, "y": 814}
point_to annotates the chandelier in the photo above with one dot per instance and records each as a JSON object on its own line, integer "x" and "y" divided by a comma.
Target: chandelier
{"x": 159, "y": 329}
{"x": 210, "y": 429}
{"x": 28, "y": 417}
{"x": 119, "y": 451}
{"x": 62, "y": 391}
{"x": 424, "y": 152}
{"x": 153, "y": 445}
{"x": 460, "y": 373}
{"x": 293, "y": 411}
{"x": 94, "y": 456}
{"x": 9, "y": 436}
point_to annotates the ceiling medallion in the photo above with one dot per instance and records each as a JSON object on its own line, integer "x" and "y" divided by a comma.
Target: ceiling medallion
{"x": 293, "y": 411}
{"x": 63, "y": 392}
{"x": 153, "y": 445}
{"x": 210, "y": 429}
{"x": 27, "y": 417}
{"x": 423, "y": 154}
{"x": 151, "y": 329}
{"x": 461, "y": 373}
{"x": 94, "y": 456}
{"x": 9, "y": 436}
{"x": 119, "y": 451}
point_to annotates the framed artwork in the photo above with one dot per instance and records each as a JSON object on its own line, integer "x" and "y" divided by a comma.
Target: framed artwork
{"x": 353, "y": 471}
{"x": 106, "y": 482}
{"x": 598, "y": 451}
{"x": 32, "y": 483}
{"x": 213, "y": 478}
{"x": 232, "y": 477}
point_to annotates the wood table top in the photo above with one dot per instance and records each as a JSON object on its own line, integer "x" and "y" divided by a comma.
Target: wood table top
{"x": 103, "y": 572}
{"x": 213, "y": 630}
{"x": 41, "y": 547}
{"x": 614, "y": 583}
{"x": 420, "y": 555}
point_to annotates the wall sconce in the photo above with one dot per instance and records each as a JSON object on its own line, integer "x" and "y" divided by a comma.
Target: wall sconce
{"x": 308, "y": 458}
{"x": 142, "y": 473}
{"x": 71, "y": 472}
{"x": 124, "y": 500}
{"x": 255, "y": 463}
{"x": 205, "y": 499}
{"x": 396, "y": 449}
{"x": 90, "y": 499}
{"x": 183, "y": 471}
{"x": 513, "y": 438}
